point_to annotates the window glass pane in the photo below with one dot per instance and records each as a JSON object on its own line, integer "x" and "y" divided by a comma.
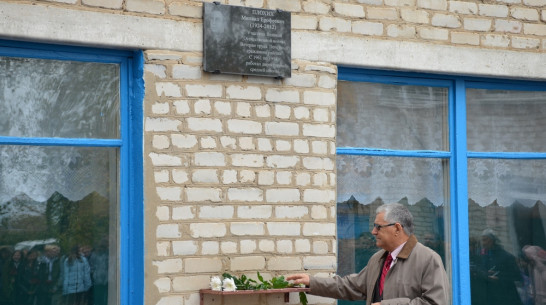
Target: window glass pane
{"x": 507, "y": 228}
{"x": 503, "y": 120}
{"x": 392, "y": 116}
{"x": 366, "y": 182}
{"x": 58, "y": 208}
{"x": 52, "y": 98}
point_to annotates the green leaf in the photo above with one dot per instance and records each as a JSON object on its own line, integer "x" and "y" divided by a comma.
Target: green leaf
{"x": 303, "y": 298}
{"x": 227, "y": 275}
{"x": 264, "y": 283}
{"x": 279, "y": 282}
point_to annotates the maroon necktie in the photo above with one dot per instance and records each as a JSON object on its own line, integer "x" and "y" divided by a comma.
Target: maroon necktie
{"x": 386, "y": 268}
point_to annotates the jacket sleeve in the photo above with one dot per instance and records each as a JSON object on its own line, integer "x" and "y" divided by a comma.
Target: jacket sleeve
{"x": 351, "y": 287}
{"x": 434, "y": 286}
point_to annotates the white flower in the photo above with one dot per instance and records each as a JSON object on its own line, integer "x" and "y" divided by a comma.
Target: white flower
{"x": 216, "y": 283}
{"x": 229, "y": 285}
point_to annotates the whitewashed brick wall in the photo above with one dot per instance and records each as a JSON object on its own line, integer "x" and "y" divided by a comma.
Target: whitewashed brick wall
{"x": 496, "y": 24}
{"x": 243, "y": 175}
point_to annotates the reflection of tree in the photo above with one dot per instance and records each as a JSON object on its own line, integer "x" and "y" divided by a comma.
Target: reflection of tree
{"x": 31, "y": 223}
{"x": 70, "y": 222}
{"x": 57, "y": 220}
{"x": 80, "y": 222}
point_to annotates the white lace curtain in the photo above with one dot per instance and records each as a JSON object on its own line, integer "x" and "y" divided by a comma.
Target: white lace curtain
{"x": 375, "y": 115}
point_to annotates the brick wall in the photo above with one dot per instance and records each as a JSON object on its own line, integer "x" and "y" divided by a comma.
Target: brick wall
{"x": 499, "y": 24}
{"x": 240, "y": 174}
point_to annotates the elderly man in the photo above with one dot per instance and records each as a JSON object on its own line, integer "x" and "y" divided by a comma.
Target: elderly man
{"x": 404, "y": 272}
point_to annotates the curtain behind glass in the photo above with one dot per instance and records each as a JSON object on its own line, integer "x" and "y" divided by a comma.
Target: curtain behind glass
{"x": 507, "y": 216}
{"x": 373, "y": 115}
{"x": 502, "y": 120}
{"x": 59, "y": 205}
{"x": 507, "y": 229}
{"x": 392, "y": 116}
{"x": 53, "y": 98}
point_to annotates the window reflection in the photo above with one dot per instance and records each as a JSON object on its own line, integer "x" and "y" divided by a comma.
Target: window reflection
{"x": 58, "y": 225}
{"x": 507, "y": 226}
{"x": 364, "y": 183}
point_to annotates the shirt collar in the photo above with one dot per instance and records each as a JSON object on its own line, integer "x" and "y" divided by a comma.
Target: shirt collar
{"x": 396, "y": 251}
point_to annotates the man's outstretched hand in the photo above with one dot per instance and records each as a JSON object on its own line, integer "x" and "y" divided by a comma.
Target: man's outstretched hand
{"x": 301, "y": 278}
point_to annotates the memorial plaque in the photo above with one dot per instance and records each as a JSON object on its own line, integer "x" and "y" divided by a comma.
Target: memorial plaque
{"x": 243, "y": 40}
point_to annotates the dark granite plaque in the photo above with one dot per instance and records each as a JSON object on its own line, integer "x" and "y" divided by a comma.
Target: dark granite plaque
{"x": 243, "y": 40}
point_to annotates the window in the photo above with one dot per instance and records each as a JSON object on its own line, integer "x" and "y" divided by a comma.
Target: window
{"x": 70, "y": 141}
{"x": 467, "y": 156}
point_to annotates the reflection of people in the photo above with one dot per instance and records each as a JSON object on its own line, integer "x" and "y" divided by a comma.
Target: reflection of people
{"x": 28, "y": 279}
{"x": 99, "y": 271}
{"x": 537, "y": 271}
{"x": 76, "y": 278}
{"x": 50, "y": 273}
{"x": 86, "y": 251}
{"x": 365, "y": 250}
{"x": 495, "y": 273}
{"x": 403, "y": 272}
{"x": 9, "y": 275}
{"x": 5, "y": 255}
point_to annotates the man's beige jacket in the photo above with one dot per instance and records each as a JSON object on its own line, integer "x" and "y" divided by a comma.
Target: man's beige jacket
{"x": 417, "y": 277}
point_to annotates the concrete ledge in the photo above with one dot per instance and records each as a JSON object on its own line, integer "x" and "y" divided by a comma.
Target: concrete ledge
{"x": 418, "y": 57}
{"x": 52, "y": 24}
{"x": 79, "y": 27}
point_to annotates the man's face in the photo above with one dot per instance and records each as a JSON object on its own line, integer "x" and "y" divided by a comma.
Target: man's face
{"x": 217, "y": 23}
{"x": 487, "y": 242}
{"x": 85, "y": 250}
{"x": 49, "y": 253}
{"x": 52, "y": 252}
{"x": 384, "y": 237}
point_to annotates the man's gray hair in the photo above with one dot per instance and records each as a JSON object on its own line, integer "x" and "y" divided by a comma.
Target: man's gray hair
{"x": 491, "y": 234}
{"x": 395, "y": 212}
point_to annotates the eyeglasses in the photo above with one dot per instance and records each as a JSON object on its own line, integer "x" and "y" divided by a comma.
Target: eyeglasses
{"x": 378, "y": 227}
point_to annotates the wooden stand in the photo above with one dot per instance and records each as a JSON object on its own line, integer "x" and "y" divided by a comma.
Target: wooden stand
{"x": 286, "y": 292}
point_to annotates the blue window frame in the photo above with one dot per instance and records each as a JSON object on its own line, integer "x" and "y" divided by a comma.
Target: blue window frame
{"x": 457, "y": 153}
{"x": 128, "y": 143}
